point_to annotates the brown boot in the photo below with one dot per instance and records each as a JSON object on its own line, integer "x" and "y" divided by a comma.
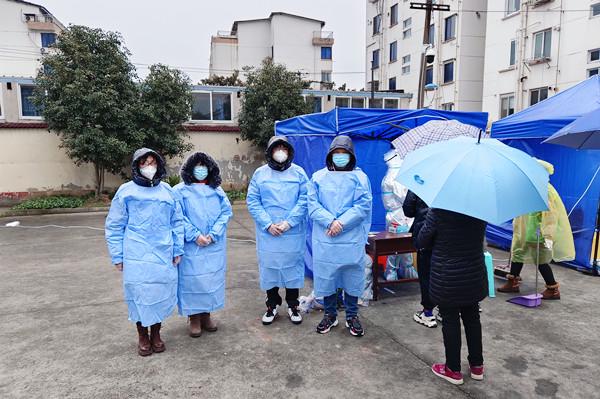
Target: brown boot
{"x": 207, "y": 323}
{"x": 144, "y": 346}
{"x": 512, "y": 284}
{"x": 157, "y": 344}
{"x": 195, "y": 326}
{"x": 551, "y": 292}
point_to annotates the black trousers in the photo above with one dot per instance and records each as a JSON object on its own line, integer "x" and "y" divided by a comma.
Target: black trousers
{"x": 291, "y": 297}
{"x": 544, "y": 268}
{"x": 452, "y": 335}
{"x": 424, "y": 269}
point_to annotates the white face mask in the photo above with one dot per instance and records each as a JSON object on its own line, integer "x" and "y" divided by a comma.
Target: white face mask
{"x": 280, "y": 156}
{"x": 148, "y": 172}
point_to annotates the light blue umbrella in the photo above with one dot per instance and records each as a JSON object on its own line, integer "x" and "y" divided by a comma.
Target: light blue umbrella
{"x": 484, "y": 179}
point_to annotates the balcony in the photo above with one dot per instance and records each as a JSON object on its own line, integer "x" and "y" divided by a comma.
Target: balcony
{"x": 322, "y": 38}
{"x": 41, "y": 22}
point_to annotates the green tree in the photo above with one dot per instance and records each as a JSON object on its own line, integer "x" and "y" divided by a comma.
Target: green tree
{"x": 88, "y": 96}
{"x": 216, "y": 80}
{"x": 165, "y": 104}
{"x": 272, "y": 93}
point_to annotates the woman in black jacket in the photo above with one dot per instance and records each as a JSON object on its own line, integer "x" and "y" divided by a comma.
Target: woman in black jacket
{"x": 415, "y": 207}
{"x": 458, "y": 282}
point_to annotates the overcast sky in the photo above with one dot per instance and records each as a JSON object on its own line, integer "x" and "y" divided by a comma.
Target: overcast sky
{"x": 177, "y": 32}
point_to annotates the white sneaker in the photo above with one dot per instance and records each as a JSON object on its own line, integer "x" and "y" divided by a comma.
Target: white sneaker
{"x": 269, "y": 316}
{"x": 294, "y": 315}
{"x": 427, "y": 321}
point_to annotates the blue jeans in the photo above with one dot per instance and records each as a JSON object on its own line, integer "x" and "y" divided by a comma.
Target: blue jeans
{"x": 350, "y": 302}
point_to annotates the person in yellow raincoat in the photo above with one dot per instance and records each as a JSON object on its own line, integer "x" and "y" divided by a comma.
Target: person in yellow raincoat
{"x": 555, "y": 242}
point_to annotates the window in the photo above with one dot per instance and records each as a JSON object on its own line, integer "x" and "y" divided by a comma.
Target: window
{"x": 358, "y": 102}
{"x": 211, "y": 107}
{"x": 48, "y": 39}
{"x": 541, "y": 44}
{"x": 393, "y": 51}
{"x": 392, "y": 84}
{"x": 377, "y": 24}
{"x": 428, "y": 75}
{"x": 325, "y": 76}
{"x": 342, "y": 102}
{"x": 316, "y": 102}
{"x": 432, "y": 34}
{"x": 512, "y": 6}
{"x": 391, "y": 103}
{"x": 375, "y": 102}
{"x": 375, "y": 61}
{"x": 595, "y": 9}
{"x": 450, "y": 28}
{"x": 448, "y": 107}
{"x": 325, "y": 53}
{"x": 221, "y": 106}
{"x": 592, "y": 72}
{"x": 28, "y": 109}
{"x": 375, "y": 85}
{"x": 507, "y": 105}
{"x": 594, "y": 55}
{"x": 406, "y": 28}
{"x": 394, "y": 15}
{"x": 406, "y": 64}
{"x": 513, "y": 52}
{"x": 1, "y": 114}
{"x": 537, "y": 95}
{"x": 449, "y": 71}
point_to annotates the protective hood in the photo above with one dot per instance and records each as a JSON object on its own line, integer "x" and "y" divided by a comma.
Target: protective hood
{"x": 187, "y": 169}
{"x": 161, "y": 170}
{"x": 273, "y": 142}
{"x": 549, "y": 167}
{"x": 345, "y": 143}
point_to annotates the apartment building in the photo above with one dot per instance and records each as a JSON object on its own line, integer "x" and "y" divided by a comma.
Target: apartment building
{"x": 394, "y": 48}
{"x": 537, "y": 48}
{"x": 299, "y": 43}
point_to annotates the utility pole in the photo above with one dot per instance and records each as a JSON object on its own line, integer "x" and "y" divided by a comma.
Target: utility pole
{"x": 428, "y": 6}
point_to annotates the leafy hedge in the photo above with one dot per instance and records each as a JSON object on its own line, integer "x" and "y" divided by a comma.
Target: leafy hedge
{"x": 51, "y": 202}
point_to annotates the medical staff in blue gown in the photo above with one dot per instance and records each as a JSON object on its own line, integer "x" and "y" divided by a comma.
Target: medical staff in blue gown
{"x": 277, "y": 202}
{"x": 206, "y": 211}
{"x": 144, "y": 232}
{"x": 339, "y": 204}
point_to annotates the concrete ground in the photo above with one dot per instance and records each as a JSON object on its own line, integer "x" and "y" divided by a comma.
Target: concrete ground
{"x": 64, "y": 334}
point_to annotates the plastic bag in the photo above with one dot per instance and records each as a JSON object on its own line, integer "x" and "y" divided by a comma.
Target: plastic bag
{"x": 367, "y": 294}
{"x": 310, "y": 302}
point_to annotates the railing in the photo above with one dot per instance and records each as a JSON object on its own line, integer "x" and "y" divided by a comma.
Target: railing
{"x": 225, "y": 33}
{"x": 37, "y": 18}
{"x": 322, "y": 34}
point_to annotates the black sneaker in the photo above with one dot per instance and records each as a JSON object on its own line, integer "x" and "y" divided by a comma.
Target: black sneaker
{"x": 327, "y": 324}
{"x": 353, "y": 325}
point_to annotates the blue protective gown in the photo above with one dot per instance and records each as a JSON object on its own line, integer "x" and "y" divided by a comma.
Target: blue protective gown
{"x": 206, "y": 211}
{"x": 274, "y": 196}
{"x": 144, "y": 231}
{"x": 339, "y": 262}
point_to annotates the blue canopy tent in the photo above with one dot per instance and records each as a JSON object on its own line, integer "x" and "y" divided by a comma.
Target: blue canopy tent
{"x": 372, "y": 131}
{"x": 575, "y": 171}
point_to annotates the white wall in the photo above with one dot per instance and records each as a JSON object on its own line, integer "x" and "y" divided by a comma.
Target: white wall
{"x": 32, "y": 162}
{"x": 254, "y": 41}
{"x": 19, "y": 46}
{"x": 573, "y": 34}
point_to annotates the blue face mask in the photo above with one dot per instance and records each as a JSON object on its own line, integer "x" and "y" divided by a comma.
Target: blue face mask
{"x": 341, "y": 160}
{"x": 200, "y": 172}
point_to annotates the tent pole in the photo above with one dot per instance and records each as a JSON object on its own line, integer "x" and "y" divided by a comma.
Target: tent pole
{"x": 594, "y": 270}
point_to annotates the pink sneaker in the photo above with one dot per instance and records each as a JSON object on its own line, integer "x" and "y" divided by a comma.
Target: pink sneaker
{"x": 453, "y": 377}
{"x": 477, "y": 372}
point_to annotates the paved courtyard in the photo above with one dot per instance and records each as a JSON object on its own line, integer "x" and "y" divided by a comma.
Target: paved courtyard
{"x": 64, "y": 334}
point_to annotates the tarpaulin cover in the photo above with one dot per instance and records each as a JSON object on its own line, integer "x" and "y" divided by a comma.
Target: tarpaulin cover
{"x": 573, "y": 169}
{"x": 372, "y": 131}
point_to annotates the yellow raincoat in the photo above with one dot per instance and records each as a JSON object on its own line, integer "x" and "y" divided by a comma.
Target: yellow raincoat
{"x": 553, "y": 225}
